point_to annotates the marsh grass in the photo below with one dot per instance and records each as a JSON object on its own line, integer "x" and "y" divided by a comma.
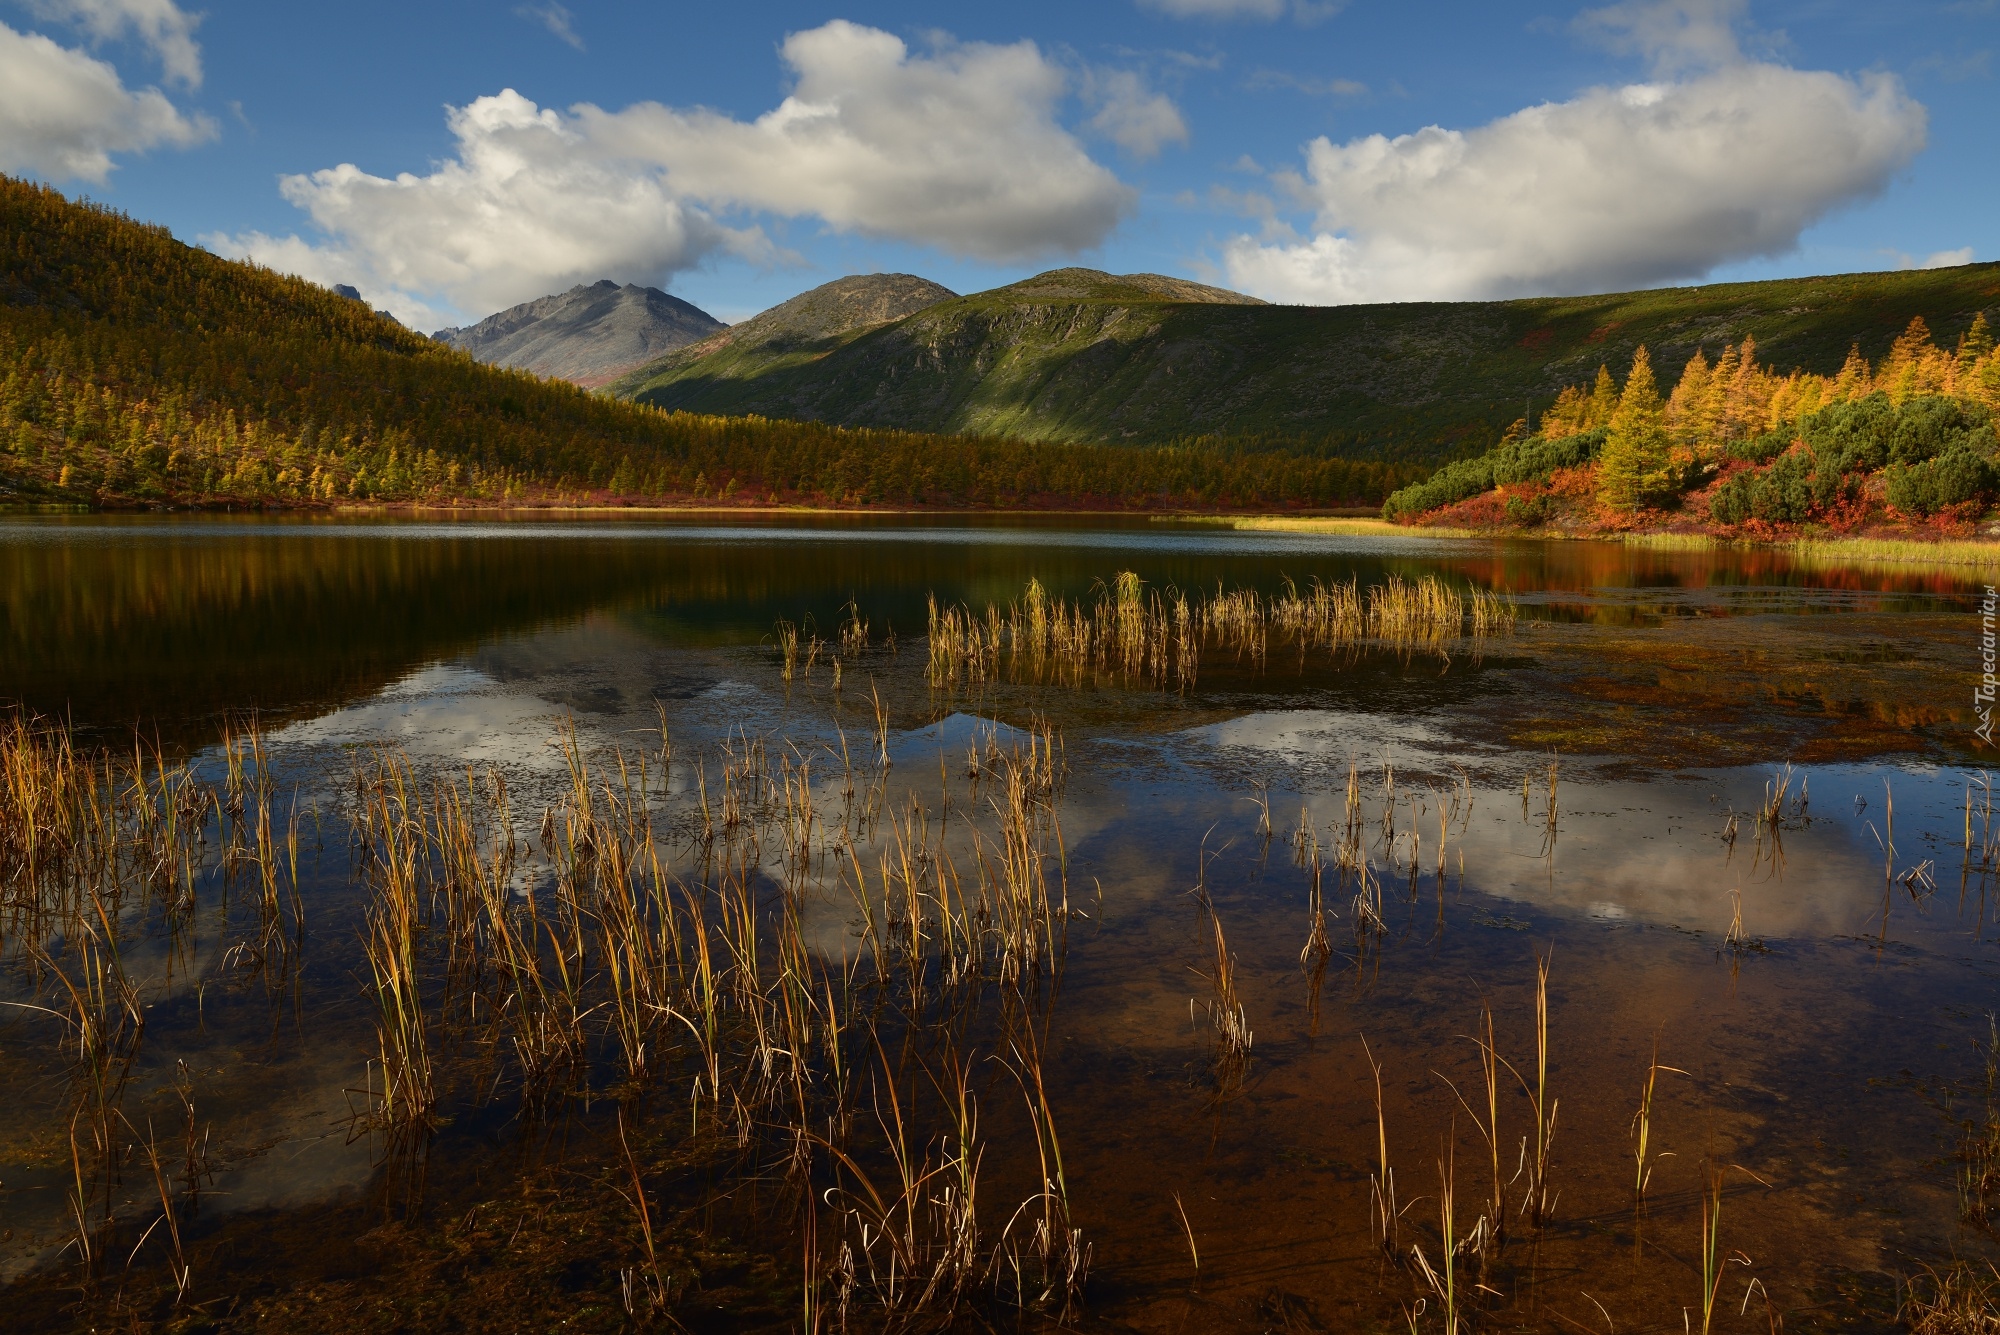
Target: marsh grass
{"x": 1979, "y": 1138}
{"x": 93, "y": 843}
{"x": 1387, "y": 1218}
{"x": 627, "y": 947}
{"x": 1130, "y": 633}
{"x": 1961, "y": 1299}
{"x": 609, "y": 960}
{"x": 1227, "y": 1017}
{"x": 1956, "y": 556}
{"x": 1643, "y": 1156}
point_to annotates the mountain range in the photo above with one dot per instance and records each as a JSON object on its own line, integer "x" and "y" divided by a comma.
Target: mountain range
{"x": 136, "y": 370}
{"x": 1076, "y": 355}
{"x": 589, "y": 335}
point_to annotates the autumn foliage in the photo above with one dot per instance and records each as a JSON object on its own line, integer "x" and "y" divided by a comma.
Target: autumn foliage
{"x": 138, "y": 370}
{"x": 1738, "y": 444}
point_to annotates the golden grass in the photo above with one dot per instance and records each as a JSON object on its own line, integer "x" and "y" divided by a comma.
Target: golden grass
{"x": 1954, "y": 554}
{"x": 1682, "y": 542}
{"x": 1347, "y": 527}
{"x": 1131, "y": 632}
{"x": 1834, "y": 553}
{"x": 1960, "y": 1300}
{"x": 605, "y": 944}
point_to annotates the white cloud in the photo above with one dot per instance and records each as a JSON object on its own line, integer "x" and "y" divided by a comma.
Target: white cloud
{"x": 165, "y": 28}
{"x": 557, "y": 19}
{"x": 1938, "y": 259}
{"x": 1618, "y": 187}
{"x": 1265, "y": 80}
{"x": 529, "y": 206}
{"x": 958, "y": 149}
{"x": 1672, "y": 34}
{"x": 63, "y": 114}
{"x": 1304, "y": 11}
{"x": 1131, "y": 114}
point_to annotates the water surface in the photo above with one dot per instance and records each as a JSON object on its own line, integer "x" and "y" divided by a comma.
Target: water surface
{"x": 1827, "y": 1056}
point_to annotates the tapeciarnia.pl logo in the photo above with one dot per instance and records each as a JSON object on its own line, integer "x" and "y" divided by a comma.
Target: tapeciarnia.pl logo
{"x": 1982, "y": 698}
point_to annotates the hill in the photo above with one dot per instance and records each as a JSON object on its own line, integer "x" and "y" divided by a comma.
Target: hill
{"x": 1076, "y": 355}
{"x": 589, "y": 335}
{"x": 1905, "y": 444}
{"x": 793, "y": 333}
{"x": 135, "y": 369}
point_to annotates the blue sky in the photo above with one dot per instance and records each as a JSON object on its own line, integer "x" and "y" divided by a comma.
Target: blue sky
{"x": 1305, "y": 151}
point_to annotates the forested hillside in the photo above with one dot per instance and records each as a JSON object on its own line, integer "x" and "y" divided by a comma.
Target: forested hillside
{"x": 1082, "y": 356}
{"x": 136, "y": 369}
{"x": 1907, "y": 440}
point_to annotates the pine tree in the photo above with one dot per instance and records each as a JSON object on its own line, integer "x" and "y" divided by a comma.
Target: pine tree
{"x": 1634, "y": 460}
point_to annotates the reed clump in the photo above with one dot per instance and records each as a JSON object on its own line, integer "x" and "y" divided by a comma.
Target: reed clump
{"x": 1962, "y": 1299}
{"x": 1228, "y": 1018}
{"x": 1979, "y": 1139}
{"x": 633, "y": 946}
{"x": 1129, "y": 632}
{"x": 93, "y": 841}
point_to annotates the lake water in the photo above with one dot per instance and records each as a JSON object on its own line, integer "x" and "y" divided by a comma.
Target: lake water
{"x": 1593, "y": 791}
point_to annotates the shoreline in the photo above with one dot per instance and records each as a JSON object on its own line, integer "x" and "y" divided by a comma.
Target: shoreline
{"x": 1890, "y": 550}
{"x": 1345, "y": 521}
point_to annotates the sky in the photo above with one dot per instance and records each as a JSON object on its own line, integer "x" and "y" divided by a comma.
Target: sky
{"x": 451, "y": 159}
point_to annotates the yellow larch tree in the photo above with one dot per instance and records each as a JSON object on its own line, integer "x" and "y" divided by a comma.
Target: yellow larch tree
{"x": 1603, "y": 398}
{"x": 1691, "y": 409}
{"x": 1634, "y": 460}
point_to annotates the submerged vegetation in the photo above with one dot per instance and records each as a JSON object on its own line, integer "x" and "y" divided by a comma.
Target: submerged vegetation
{"x": 1739, "y": 448}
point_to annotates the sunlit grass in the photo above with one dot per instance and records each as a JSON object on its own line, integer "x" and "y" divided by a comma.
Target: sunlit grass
{"x": 1899, "y": 551}
{"x": 1334, "y": 524}
{"x": 1836, "y": 552}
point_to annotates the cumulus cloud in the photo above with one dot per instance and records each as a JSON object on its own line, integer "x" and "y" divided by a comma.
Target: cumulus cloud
{"x": 959, "y": 149}
{"x": 63, "y": 113}
{"x": 1132, "y": 115}
{"x": 164, "y": 28}
{"x": 1649, "y": 183}
{"x": 528, "y": 206}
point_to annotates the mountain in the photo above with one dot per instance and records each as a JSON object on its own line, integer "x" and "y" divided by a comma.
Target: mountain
{"x": 353, "y": 293}
{"x": 589, "y": 335}
{"x": 1076, "y": 355}
{"x": 137, "y": 370}
{"x": 793, "y": 333}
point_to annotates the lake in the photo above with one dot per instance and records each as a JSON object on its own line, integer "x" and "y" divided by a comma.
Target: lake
{"x": 432, "y": 924}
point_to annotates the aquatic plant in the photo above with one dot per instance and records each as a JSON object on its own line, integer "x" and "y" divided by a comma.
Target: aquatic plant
{"x": 1131, "y": 633}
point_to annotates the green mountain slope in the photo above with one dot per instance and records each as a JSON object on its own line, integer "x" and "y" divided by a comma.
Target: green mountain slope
{"x": 796, "y": 332}
{"x": 1080, "y": 356}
